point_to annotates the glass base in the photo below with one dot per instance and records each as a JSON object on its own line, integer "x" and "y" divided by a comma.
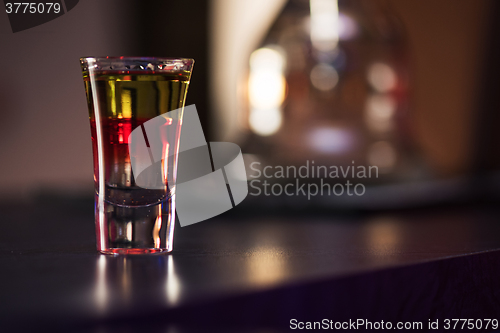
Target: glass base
{"x": 134, "y": 229}
{"x": 134, "y": 251}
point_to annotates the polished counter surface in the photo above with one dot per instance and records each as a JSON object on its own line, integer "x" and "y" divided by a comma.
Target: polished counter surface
{"x": 250, "y": 270}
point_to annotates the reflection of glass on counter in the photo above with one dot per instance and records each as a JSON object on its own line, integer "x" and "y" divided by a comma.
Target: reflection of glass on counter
{"x": 120, "y": 282}
{"x": 330, "y": 85}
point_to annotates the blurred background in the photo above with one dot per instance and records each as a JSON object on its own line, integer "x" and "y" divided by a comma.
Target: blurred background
{"x": 410, "y": 86}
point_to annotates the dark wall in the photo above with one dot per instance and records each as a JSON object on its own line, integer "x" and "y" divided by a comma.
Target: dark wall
{"x": 486, "y": 155}
{"x": 176, "y": 29}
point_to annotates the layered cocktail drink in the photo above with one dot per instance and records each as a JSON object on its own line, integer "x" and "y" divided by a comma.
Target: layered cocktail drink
{"x": 123, "y": 93}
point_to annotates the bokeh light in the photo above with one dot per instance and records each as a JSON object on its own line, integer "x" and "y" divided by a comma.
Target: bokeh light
{"x": 324, "y": 24}
{"x": 331, "y": 140}
{"x": 324, "y": 77}
{"x": 266, "y": 90}
{"x": 383, "y": 155}
{"x": 265, "y": 121}
{"x": 382, "y": 77}
{"x": 379, "y": 112}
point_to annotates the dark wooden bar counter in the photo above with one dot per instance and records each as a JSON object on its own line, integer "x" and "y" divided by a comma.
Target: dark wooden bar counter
{"x": 249, "y": 274}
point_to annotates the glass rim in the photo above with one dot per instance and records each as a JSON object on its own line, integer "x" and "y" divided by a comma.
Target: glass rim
{"x": 135, "y": 58}
{"x": 136, "y": 64}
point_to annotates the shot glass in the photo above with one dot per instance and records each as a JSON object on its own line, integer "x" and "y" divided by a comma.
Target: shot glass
{"x": 123, "y": 94}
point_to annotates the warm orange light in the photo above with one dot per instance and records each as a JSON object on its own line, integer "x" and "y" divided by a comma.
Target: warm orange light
{"x": 156, "y": 229}
{"x": 266, "y": 90}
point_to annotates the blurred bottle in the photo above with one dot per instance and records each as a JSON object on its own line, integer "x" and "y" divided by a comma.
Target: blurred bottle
{"x": 330, "y": 85}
